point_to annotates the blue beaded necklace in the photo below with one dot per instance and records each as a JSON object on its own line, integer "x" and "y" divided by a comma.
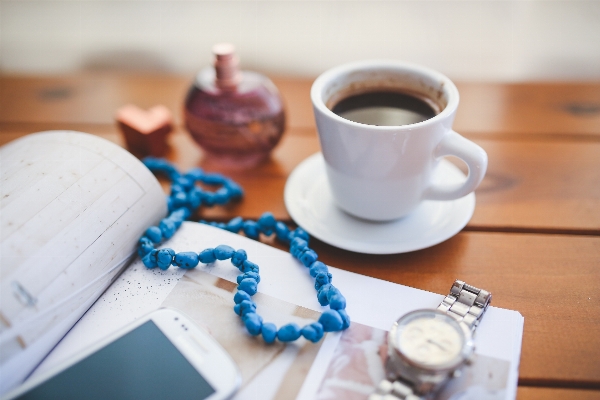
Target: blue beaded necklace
{"x": 185, "y": 199}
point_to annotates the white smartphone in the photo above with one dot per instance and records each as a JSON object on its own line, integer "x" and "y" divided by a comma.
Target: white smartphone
{"x": 163, "y": 355}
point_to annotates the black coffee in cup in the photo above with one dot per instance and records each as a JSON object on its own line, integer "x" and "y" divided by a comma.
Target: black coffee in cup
{"x": 386, "y": 108}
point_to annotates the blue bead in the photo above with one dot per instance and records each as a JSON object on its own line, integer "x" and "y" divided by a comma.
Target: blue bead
{"x": 223, "y": 252}
{"x": 300, "y": 233}
{"x": 297, "y": 246}
{"x": 266, "y": 223}
{"x": 167, "y": 227}
{"x": 237, "y": 309}
{"x": 235, "y": 190}
{"x": 214, "y": 179}
{"x": 221, "y": 196}
{"x": 269, "y": 332}
{"x": 250, "y": 275}
{"x": 186, "y": 213}
{"x": 345, "y": 319}
{"x": 164, "y": 257}
{"x": 323, "y": 295}
{"x": 337, "y": 301}
{"x": 145, "y": 246}
{"x": 175, "y": 188}
{"x": 241, "y": 296}
{"x": 173, "y": 173}
{"x": 249, "y": 266}
{"x": 295, "y": 252}
{"x": 288, "y": 333}
{"x": 331, "y": 321}
{"x": 251, "y": 229}
{"x": 235, "y": 224}
{"x": 177, "y": 222}
{"x": 186, "y": 260}
{"x": 282, "y": 232}
{"x": 154, "y": 234}
{"x": 208, "y": 199}
{"x": 161, "y": 165}
{"x": 207, "y": 256}
{"x": 179, "y": 199}
{"x": 317, "y": 267}
{"x": 180, "y": 214}
{"x": 308, "y": 258}
{"x": 322, "y": 279}
{"x": 253, "y": 323}
{"x": 142, "y": 251}
{"x": 298, "y": 243}
{"x": 169, "y": 203}
{"x": 184, "y": 182}
{"x": 332, "y": 292}
{"x": 194, "y": 198}
{"x": 195, "y": 174}
{"x": 149, "y": 259}
{"x": 239, "y": 257}
{"x": 249, "y": 286}
{"x": 313, "y": 332}
{"x": 244, "y": 307}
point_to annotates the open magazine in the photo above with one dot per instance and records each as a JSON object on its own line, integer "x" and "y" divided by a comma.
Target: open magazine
{"x": 344, "y": 365}
{"x": 72, "y": 207}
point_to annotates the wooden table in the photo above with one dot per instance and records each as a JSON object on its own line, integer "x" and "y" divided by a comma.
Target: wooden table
{"x": 534, "y": 240}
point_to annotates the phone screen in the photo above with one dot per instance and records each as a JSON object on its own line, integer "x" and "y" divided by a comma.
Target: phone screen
{"x": 142, "y": 364}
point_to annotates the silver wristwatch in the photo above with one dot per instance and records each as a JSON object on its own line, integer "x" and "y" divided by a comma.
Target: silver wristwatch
{"x": 426, "y": 348}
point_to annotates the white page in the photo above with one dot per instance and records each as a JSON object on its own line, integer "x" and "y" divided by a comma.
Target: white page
{"x": 371, "y": 302}
{"x": 72, "y": 208}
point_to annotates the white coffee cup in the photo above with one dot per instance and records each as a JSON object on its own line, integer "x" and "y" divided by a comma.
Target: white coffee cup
{"x": 382, "y": 173}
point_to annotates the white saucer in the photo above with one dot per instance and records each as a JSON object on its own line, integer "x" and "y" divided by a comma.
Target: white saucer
{"x": 310, "y": 203}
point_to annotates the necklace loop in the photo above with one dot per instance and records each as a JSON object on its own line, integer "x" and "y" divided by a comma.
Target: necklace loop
{"x": 185, "y": 198}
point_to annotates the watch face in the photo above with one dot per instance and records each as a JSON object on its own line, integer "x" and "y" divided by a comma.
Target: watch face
{"x": 429, "y": 339}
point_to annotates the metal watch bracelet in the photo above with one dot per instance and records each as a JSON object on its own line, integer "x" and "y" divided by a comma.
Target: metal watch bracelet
{"x": 466, "y": 304}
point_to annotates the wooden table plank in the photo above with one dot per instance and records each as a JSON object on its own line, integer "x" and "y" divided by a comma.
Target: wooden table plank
{"x": 493, "y": 110}
{"x": 533, "y": 393}
{"x": 540, "y": 186}
{"x": 86, "y": 99}
{"x": 529, "y": 108}
{"x": 552, "y": 280}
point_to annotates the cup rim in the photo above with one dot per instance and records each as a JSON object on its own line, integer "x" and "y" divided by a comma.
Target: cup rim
{"x": 316, "y": 91}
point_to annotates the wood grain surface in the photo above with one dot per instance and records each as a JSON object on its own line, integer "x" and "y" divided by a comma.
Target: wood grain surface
{"x": 494, "y": 110}
{"x": 531, "y": 393}
{"x": 534, "y": 240}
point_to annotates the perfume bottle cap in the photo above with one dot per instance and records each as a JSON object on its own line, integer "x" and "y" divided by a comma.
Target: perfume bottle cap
{"x": 226, "y": 65}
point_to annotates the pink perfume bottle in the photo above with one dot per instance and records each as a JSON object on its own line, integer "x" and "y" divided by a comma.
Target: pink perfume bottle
{"x": 236, "y": 116}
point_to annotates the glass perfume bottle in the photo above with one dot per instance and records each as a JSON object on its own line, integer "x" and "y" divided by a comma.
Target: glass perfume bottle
{"x": 236, "y": 116}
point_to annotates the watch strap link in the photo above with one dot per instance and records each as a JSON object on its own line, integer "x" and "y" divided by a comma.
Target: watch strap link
{"x": 396, "y": 390}
{"x": 466, "y": 303}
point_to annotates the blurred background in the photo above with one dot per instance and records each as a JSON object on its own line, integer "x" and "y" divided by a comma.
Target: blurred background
{"x": 505, "y": 41}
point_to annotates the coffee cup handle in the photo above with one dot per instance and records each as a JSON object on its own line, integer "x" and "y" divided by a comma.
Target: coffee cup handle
{"x": 474, "y": 156}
